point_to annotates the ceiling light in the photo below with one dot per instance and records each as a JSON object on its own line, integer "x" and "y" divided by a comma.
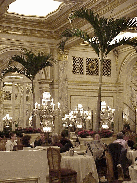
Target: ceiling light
{"x": 34, "y": 7}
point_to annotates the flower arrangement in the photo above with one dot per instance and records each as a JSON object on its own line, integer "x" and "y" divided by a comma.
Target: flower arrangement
{"x": 85, "y": 133}
{"x": 19, "y": 132}
{"x": 30, "y": 130}
{"x": 103, "y": 133}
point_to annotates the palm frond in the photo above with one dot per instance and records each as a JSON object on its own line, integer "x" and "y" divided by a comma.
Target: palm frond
{"x": 105, "y": 30}
{"x": 81, "y": 34}
{"x": 12, "y": 69}
{"x": 88, "y": 15}
{"x": 32, "y": 63}
{"x": 124, "y": 41}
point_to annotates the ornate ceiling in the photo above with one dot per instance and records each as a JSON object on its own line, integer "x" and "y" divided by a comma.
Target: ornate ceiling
{"x": 44, "y": 32}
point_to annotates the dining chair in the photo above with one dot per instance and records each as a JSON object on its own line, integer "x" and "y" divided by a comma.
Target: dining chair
{"x": 18, "y": 147}
{"x": 56, "y": 173}
{"x": 2, "y": 145}
{"x": 114, "y": 168}
{"x": 109, "y": 163}
{"x": 89, "y": 179}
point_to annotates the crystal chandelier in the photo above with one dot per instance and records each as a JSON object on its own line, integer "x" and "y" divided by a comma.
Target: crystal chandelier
{"x": 77, "y": 118}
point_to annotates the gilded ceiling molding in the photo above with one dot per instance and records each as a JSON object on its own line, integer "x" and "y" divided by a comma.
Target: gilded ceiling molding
{"x": 109, "y": 7}
{"x": 132, "y": 54}
{"x": 126, "y": 9}
{"x": 5, "y": 59}
{"x": 29, "y": 44}
{"x": 55, "y": 23}
{"x": 9, "y": 49}
{"x": 53, "y": 27}
{"x": 4, "y": 5}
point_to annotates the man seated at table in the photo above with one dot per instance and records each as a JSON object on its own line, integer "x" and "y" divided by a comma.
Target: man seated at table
{"x": 26, "y": 141}
{"x": 124, "y": 161}
{"x": 120, "y": 140}
{"x": 11, "y": 143}
{"x": 65, "y": 142}
{"x": 96, "y": 147}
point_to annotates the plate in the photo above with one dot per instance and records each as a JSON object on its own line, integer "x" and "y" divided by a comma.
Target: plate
{"x": 81, "y": 152}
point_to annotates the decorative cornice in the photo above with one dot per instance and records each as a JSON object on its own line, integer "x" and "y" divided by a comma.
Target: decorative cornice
{"x": 51, "y": 26}
{"x": 128, "y": 56}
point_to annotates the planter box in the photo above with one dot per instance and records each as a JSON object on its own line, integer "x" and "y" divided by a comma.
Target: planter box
{"x": 84, "y": 140}
{"x": 105, "y": 140}
{"x": 33, "y": 136}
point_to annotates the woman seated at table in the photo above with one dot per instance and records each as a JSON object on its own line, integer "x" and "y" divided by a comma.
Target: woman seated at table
{"x": 26, "y": 141}
{"x": 11, "y": 143}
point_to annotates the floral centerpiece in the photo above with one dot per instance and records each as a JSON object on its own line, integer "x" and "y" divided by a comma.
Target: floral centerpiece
{"x": 103, "y": 133}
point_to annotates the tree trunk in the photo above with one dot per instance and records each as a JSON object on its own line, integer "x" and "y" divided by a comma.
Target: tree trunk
{"x": 97, "y": 125}
{"x": 33, "y": 107}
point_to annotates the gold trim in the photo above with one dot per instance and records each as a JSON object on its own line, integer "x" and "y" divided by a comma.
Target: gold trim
{"x": 36, "y": 179}
{"x": 92, "y": 66}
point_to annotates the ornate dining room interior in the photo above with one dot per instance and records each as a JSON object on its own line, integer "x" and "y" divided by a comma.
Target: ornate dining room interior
{"x": 71, "y": 85}
{"x": 64, "y": 95}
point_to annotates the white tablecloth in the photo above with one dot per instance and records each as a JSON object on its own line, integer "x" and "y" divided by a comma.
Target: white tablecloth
{"x": 132, "y": 155}
{"x": 23, "y": 164}
{"x": 82, "y": 164}
{"x": 33, "y": 163}
{"x": 133, "y": 172}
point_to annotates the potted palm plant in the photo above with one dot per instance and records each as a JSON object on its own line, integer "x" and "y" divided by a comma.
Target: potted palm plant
{"x": 31, "y": 64}
{"x": 105, "y": 30}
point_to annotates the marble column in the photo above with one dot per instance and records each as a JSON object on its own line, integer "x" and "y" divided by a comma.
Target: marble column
{"x": 1, "y": 107}
{"x": 62, "y": 90}
{"x": 37, "y": 99}
{"x": 24, "y": 106}
{"x": 13, "y": 106}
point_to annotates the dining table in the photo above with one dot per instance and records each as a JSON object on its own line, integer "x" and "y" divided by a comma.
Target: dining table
{"x": 82, "y": 164}
{"x": 32, "y": 163}
{"x": 132, "y": 154}
{"x": 133, "y": 172}
{"x": 24, "y": 165}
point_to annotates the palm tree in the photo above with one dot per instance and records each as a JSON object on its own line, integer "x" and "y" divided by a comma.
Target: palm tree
{"x": 105, "y": 30}
{"x": 31, "y": 65}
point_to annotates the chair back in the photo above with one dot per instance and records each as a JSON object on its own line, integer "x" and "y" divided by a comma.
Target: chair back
{"x": 54, "y": 159}
{"x": 109, "y": 163}
{"x": 2, "y": 145}
{"x": 115, "y": 151}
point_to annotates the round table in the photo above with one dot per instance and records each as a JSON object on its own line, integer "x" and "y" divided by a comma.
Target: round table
{"x": 133, "y": 172}
{"x": 82, "y": 164}
{"x": 132, "y": 154}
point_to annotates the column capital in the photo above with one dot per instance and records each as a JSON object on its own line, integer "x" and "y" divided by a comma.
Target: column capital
{"x": 62, "y": 55}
